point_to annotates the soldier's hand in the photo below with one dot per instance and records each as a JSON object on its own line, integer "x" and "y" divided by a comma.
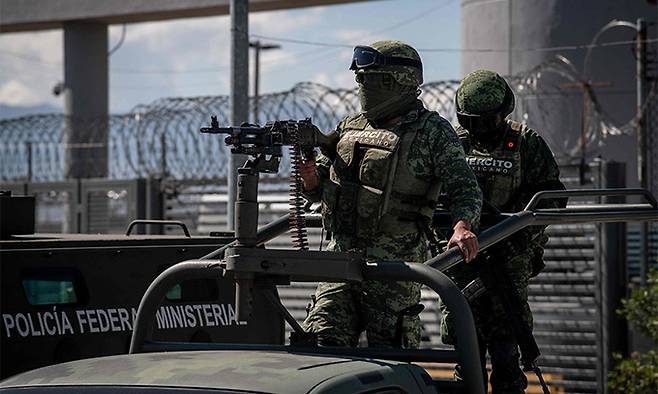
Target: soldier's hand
{"x": 308, "y": 171}
{"x": 465, "y": 240}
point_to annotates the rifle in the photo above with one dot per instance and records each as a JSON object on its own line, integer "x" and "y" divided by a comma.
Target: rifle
{"x": 496, "y": 280}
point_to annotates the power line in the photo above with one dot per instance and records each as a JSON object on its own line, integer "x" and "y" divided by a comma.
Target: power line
{"x": 29, "y": 58}
{"x": 324, "y": 54}
{"x": 340, "y": 45}
{"x": 217, "y": 68}
{"x": 118, "y": 44}
{"x": 123, "y": 70}
{"x": 414, "y": 18}
{"x": 304, "y": 42}
{"x": 119, "y": 70}
{"x": 541, "y": 49}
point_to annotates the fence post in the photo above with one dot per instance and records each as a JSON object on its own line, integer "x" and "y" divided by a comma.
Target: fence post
{"x": 29, "y": 161}
{"x": 163, "y": 155}
{"x": 642, "y": 131}
{"x": 612, "y": 280}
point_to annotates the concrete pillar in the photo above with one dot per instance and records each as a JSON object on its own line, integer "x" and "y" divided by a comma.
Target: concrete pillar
{"x": 86, "y": 99}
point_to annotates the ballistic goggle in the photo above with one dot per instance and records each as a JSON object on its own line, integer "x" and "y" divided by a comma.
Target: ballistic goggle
{"x": 365, "y": 57}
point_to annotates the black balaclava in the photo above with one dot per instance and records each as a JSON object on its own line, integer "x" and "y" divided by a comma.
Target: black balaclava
{"x": 488, "y": 129}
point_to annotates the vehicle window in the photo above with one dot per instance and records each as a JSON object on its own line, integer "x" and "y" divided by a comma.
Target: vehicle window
{"x": 194, "y": 290}
{"x": 53, "y": 287}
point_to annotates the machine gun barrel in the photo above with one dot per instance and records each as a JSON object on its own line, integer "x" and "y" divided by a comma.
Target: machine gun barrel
{"x": 268, "y": 139}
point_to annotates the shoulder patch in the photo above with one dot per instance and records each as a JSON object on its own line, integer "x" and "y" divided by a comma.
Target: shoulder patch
{"x": 519, "y": 127}
{"x": 461, "y": 132}
{"x": 516, "y": 126}
{"x": 353, "y": 121}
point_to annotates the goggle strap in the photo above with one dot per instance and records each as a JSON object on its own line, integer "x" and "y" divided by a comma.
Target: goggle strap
{"x": 402, "y": 61}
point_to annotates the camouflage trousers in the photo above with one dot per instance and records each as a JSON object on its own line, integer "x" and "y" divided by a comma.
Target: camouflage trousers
{"x": 494, "y": 333}
{"x": 340, "y": 312}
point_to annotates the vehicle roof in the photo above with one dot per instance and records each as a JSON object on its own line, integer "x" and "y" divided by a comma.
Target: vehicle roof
{"x": 47, "y": 240}
{"x": 260, "y": 371}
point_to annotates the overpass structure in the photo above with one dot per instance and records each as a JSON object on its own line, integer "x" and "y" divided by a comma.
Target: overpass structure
{"x": 85, "y": 26}
{"x": 31, "y": 15}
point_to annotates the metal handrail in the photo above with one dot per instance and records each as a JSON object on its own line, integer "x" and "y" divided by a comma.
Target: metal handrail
{"x": 574, "y": 214}
{"x": 551, "y": 194}
{"x": 159, "y": 222}
{"x": 157, "y": 290}
{"x": 468, "y": 356}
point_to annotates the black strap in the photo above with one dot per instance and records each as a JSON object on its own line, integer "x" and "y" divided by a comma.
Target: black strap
{"x": 402, "y": 61}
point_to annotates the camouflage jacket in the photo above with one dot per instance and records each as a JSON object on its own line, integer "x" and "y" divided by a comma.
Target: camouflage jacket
{"x": 435, "y": 153}
{"x": 537, "y": 171}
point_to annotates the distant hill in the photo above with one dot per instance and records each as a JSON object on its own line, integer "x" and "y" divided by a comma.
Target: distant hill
{"x": 8, "y": 111}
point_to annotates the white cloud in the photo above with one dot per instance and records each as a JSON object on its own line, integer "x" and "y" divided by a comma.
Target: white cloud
{"x": 30, "y": 65}
{"x": 16, "y": 93}
{"x": 277, "y": 22}
{"x": 43, "y": 46}
{"x": 338, "y": 80}
{"x": 351, "y": 36}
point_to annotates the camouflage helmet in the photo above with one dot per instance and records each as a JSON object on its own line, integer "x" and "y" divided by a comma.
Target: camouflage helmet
{"x": 404, "y": 74}
{"x": 484, "y": 92}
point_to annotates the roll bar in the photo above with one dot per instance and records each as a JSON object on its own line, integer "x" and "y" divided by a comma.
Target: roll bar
{"x": 159, "y": 223}
{"x": 531, "y": 216}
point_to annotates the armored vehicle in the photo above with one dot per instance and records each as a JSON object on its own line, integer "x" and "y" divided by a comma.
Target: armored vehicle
{"x": 65, "y": 297}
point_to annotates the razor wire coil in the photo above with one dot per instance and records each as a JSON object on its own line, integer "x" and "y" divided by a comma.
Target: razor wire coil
{"x": 162, "y": 139}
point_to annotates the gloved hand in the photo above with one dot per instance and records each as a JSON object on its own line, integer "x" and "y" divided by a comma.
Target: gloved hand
{"x": 308, "y": 171}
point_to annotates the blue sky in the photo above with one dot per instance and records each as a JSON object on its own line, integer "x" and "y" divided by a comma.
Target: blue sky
{"x": 190, "y": 57}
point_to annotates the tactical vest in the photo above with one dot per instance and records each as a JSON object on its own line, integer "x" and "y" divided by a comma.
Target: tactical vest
{"x": 371, "y": 188}
{"x": 499, "y": 171}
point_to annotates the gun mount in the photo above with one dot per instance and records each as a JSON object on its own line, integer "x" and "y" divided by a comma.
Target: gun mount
{"x": 254, "y": 268}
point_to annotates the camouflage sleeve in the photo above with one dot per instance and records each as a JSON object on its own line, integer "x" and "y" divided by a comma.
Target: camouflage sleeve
{"x": 456, "y": 177}
{"x": 540, "y": 172}
{"x": 323, "y": 163}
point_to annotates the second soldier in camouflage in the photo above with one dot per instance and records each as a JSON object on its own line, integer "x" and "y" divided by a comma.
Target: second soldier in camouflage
{"x": 512, "y": 162}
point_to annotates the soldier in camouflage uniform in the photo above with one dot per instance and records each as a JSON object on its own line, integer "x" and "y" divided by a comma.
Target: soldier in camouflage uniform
{"x": 512, "y": 162}
{"x": 378, "y": 190}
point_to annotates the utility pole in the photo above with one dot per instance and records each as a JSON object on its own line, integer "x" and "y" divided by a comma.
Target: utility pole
{"x": 239, "y": 99}
{"x": 642, "y": 130}
{"x": 586, "y": 89}
{"x": 258, "y": 46}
